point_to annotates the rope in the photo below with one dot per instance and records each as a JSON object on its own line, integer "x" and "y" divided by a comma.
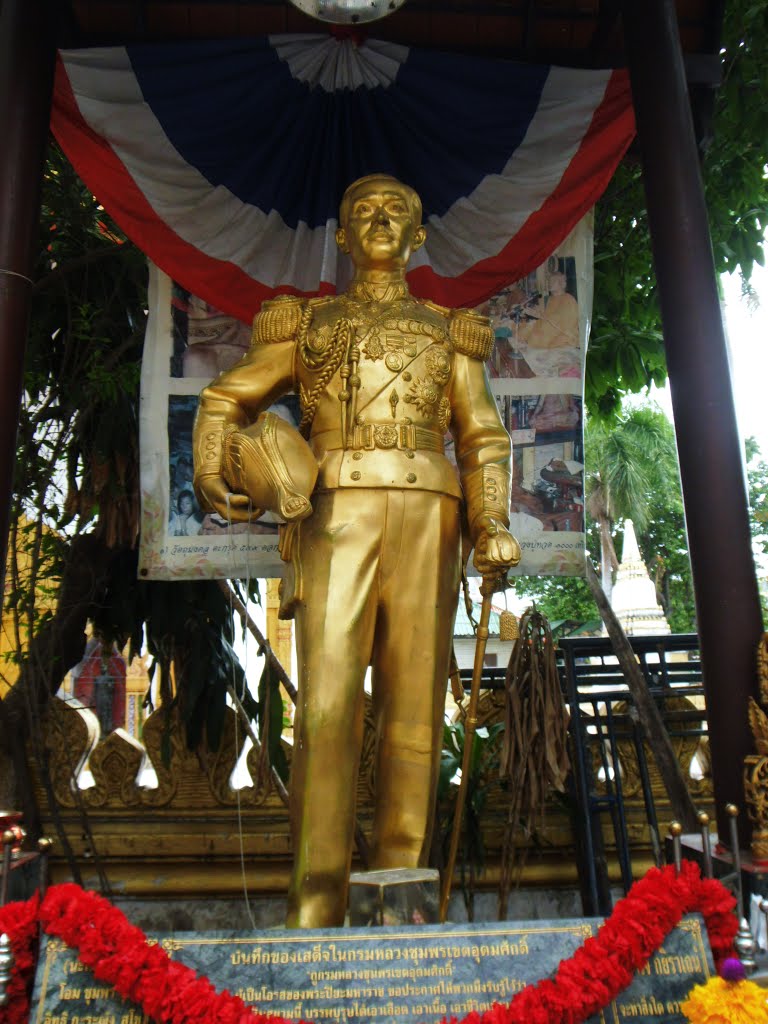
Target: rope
{"x": 309, "y": 400}
{"x": 534, "y": 758}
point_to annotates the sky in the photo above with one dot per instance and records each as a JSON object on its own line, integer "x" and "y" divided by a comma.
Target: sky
{"x": 746, "y": 325}
{"x": 747, "y": 329}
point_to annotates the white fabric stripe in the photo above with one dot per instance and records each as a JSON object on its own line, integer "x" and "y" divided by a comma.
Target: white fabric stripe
{"x": 339, "y": 64}
{"x": 222, "y": 226}
{"x": 210, "y": 218}
{"x": 481, "y": 224}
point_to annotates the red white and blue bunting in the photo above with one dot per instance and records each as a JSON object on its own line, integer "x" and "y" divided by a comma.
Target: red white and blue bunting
{"x": 225, "y": 161}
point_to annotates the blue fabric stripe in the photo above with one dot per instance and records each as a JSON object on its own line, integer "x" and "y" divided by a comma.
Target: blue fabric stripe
{"x": 233, "y": 111}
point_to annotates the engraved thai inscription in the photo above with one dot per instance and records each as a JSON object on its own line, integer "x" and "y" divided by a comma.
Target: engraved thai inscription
{"x": 72, "y": 996}
{"x": 414, "y": 974}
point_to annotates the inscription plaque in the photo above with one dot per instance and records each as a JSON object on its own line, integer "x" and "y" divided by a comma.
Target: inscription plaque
{"x": 410, "y": 975}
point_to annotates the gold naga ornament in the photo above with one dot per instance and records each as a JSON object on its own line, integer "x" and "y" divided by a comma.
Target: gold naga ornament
{"x": 756, "y": 765}
{"x": 373, "y": 552}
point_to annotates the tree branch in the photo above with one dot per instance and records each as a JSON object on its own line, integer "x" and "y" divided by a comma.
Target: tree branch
{"x": 260, "y": 639}
{"x": 656, "y": 735}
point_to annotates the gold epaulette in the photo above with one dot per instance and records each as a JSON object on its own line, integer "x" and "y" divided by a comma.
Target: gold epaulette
{"x": 443, "y": 310}
{"x": 471, "y": 334}
{"x": 277, "y": 320}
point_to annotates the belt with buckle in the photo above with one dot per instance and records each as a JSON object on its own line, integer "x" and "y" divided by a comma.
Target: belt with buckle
{"x": 385, "y": 436}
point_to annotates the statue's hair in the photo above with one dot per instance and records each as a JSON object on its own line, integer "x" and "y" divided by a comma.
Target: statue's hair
{"x": 413, "y": 197}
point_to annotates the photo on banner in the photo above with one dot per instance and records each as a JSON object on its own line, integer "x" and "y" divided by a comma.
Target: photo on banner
{"x": 536, "y": 374}
{"x": 536, "y": 370}
{"x": 188, "y": 343}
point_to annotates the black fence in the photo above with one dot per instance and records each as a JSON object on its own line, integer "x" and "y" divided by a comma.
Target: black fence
{"x": 608, "y": 744}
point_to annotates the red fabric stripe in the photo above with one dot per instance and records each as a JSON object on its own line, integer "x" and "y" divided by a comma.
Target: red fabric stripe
{"x": 610, "y": 132}
{"x": 230, "y": 289}
{"x": 219, "y": 282}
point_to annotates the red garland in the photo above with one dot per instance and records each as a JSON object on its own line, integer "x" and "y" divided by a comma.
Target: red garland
{"x": 119, "y": 954}
{"x": 19, "y": 922}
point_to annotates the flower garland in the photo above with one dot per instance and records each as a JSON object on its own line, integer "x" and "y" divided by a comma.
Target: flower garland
{"x": 119, "y": 954}
{"x": 19, "y": 922}
{"x": 737, "y": 1002}
{"x": 728, "y": 998}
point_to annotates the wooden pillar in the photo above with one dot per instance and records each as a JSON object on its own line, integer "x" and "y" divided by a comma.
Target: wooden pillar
{"x": 27, "y": 51}
{"x": 709, "y": 447}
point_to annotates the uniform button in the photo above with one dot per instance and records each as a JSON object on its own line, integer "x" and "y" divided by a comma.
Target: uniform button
{"x": 210, "y": 456}
{"x": 407, "y": 376}
{"x": 409, "y": 454}
{"x": 411, "y": 478}
{"x": 357, "y": 456}
{"x": 356, "y": 474}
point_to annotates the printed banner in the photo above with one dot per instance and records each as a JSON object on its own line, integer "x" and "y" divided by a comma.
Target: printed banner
{"x": 536, "y": 375}
{"x": 188, "y": 343}
{"x": 541, "y": 324}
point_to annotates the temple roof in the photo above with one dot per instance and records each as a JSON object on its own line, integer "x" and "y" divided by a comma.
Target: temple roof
{"x": 634, "y": 595}
{"x": 463, "y": 627}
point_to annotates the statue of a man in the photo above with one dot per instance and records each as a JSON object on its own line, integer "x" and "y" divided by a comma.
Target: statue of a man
{"x": 374, "y": 562}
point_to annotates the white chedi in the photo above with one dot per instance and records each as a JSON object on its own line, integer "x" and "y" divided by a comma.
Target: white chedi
{"x": 634, "y": 595}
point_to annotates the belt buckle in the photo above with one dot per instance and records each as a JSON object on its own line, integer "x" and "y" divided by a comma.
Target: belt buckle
{"x": 407, "y": 439}
{"x": 362, "y": 437}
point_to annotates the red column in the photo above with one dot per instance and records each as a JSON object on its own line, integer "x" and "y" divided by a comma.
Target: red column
{"x": 27, "y": 51}
{"x": 709, "y": 447}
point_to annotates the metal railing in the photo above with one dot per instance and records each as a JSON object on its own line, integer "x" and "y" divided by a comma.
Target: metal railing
{"x": 605, "y": 730}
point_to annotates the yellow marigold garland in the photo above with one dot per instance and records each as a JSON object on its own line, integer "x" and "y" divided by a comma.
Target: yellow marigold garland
{"x": 727, "y": 1002}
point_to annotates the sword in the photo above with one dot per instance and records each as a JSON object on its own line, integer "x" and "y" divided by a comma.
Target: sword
{"x": 488, "y": 588}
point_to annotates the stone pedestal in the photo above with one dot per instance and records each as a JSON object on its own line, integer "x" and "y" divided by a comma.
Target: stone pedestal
{"x": 394, "y": 897}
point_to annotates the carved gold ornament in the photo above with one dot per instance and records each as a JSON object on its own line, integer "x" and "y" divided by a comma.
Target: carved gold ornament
{"x": 385, "y": 437}
{"x": 424, "y": 394}
{"x": 444, "y": 414}
{"x": 756, "y": 765}
{"x": 438, "y": 365}
{"x": 373, "y": 348}
{"x": 318, "y": 341}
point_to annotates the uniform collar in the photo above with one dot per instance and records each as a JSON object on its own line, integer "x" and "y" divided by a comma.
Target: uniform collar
{"x": 366, "y": 291}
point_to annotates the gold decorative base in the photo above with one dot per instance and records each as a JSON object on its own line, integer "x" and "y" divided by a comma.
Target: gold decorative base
{"x": 397, "y": 896}
{"x": 182, "y": 839}
{"x": 756, "y": 765}
{"x": 759, "y": 846}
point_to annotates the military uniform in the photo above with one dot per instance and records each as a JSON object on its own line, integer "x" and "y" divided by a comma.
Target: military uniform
{"x": 373, "y": 573}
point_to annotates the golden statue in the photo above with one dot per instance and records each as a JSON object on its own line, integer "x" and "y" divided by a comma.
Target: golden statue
{"x": 374, "y": 562}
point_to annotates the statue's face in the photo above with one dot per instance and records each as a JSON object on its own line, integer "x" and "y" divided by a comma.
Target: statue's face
{"x": 380, "y": 230}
